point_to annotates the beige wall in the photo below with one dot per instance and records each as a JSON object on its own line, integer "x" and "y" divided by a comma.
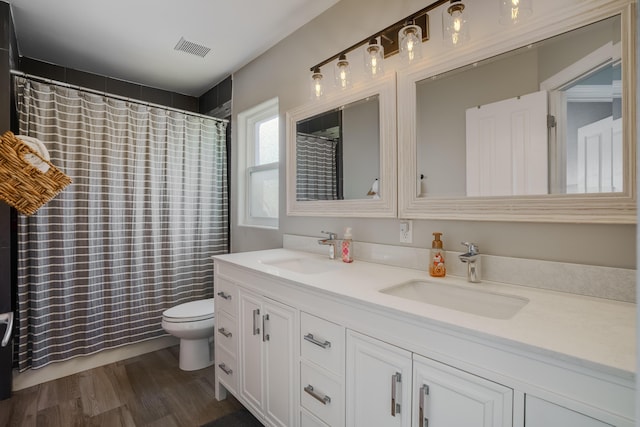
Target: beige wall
{"x": 283, "y": 72}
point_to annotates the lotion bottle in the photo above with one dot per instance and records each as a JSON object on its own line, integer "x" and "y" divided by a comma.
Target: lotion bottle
{"x": 347, "y": 246}
{"x": 436, "y": 263}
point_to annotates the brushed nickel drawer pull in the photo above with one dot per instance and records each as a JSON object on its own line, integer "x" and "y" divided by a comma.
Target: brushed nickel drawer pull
{"x": 224, "y": 296}
{"x": 322, "y": 399}
{"x": 225, "y": 369}
{"x": 395, "y": 406}
{"x": 311, "y": 339}
{"x": 424, "y": 392}
{"x": 224, "y": 332}
{"x": 256, "y": 327}
{"x": 265, "y": 335}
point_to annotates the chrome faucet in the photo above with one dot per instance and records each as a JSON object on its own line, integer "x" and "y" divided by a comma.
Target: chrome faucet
{"x": 472, "y": 259}
{"x": 332, "y": 242}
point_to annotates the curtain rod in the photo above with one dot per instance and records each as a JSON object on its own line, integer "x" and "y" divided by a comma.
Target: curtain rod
{"x": 326, "y": 138}
{"x": 110, "y": 95}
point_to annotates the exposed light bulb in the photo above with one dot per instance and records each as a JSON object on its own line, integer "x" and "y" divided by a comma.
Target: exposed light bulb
{"x": 410, "y": 48}
{"x": 373, "y": 58}
{"x": 455, "y": 25}
{"x": 514, "y": 11}
{"x": 343, "y": 73}
{"x": 317, "y": 87}
{"x": 410, "y": 42}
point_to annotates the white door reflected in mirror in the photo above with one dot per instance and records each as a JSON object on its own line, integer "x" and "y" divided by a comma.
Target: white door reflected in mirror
{"x": 507, "y": 149}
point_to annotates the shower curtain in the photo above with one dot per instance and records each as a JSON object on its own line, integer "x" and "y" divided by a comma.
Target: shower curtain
{"x": 131, "y": 236}
{"x": 316, "y": 176}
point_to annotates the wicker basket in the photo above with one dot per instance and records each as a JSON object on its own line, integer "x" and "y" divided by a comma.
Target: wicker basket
{"x": 22, "y": 185}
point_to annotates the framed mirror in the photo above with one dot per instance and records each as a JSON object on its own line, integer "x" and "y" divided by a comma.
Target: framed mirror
{"x": 341, "y": 153}
{"x": 544, "y": 132}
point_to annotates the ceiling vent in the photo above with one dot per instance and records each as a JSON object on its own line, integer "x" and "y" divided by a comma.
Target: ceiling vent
{"x": 192, "y": 48}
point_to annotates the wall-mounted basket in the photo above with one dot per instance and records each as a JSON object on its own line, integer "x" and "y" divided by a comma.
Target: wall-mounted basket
{"x": 23, "y": 185}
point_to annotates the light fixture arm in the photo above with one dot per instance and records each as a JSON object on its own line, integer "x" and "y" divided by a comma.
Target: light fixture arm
{"x": 389, "y": 35}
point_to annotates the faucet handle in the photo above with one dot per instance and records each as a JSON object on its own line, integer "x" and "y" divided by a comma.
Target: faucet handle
{"x": 332, "y": 236}
{"x": 472, "y": 248}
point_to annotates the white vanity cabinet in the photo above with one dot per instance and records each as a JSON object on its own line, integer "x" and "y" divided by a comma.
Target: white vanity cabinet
{"x": 313, "y": 357}
{"x": 390, "y": 386}
{"x": 266, "y": 357}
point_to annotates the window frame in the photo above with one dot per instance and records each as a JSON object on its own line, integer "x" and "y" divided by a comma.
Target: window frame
{"x": 247, "y": 138}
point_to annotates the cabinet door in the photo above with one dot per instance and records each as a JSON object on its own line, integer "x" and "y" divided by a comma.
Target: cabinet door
{"x": 540, "y": 413}
{"x": 278, "y": 337}
{"x": 445, "y": 396}
{"x": 251, "y": 386}
{"x": 378, "y": 383}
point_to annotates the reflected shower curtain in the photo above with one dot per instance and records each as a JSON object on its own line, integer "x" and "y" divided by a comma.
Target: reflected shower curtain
{"x": 316, "y": 176}
{"x": 131, "y": 236}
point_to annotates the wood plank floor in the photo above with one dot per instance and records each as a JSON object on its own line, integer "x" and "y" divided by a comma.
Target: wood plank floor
{"x": 148, "y": 390}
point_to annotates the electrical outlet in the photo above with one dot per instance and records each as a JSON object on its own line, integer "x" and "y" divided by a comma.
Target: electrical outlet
{"x": 406, "y": 231}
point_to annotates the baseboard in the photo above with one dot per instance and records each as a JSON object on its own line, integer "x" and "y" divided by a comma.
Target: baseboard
{"x": 31, "y": 377}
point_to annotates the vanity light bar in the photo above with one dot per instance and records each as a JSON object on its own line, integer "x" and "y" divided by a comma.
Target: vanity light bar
{"x": 389, "y": 35}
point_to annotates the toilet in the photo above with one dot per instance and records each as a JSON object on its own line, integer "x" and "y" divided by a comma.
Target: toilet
{"x": 193, "y": 323}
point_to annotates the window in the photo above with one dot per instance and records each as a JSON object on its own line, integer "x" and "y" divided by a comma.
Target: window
{"x": 259, "y": 153}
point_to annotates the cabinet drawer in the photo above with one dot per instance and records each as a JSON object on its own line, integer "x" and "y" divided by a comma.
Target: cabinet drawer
{"x": 226, "y": 370}
{"x": 322, "y": 343}
{"x": 308, "y": 420}
{"x": 226, "y": 333}
{"x": 226, "y": 297}
{"x": 322, "y": 395}
{"x": 540, "y": 413}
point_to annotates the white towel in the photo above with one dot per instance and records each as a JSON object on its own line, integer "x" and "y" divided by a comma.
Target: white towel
{"x": 38, "y": 146}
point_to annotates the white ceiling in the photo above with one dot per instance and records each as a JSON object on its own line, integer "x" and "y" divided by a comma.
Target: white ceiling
{"x": 134, "y": 40}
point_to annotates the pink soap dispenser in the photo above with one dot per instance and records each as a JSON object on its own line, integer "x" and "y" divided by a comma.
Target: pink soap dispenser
{"x": 347, "y": 246}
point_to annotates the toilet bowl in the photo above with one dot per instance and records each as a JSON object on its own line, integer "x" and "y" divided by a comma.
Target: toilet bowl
{"x": 193, "y": 323}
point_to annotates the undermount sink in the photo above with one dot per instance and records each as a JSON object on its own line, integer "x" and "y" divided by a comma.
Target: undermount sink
{"x": 304, "y": 265}
{"x": 466, "y": 299}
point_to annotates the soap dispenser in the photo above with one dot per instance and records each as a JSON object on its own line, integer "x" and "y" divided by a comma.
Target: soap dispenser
{"x": 436, "y": 262}
{"x": 347, "y": 246}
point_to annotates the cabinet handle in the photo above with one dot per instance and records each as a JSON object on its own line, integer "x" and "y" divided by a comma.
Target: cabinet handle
{"x": 424, "y": 392}
{"x": 322, "y": 399}
{"x": 225, "y": 369}
{"x": 395, "y": 407}
{"x": 224, "y": 332}
{"x": 265, "y": 335}
{"x": 224, "y": 296}
{"x": 256, "y": 328}
{"x": 311, "y": 339}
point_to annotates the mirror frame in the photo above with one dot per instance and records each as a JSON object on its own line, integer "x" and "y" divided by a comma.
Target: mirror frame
{"x": 574, "y": 208}
{"x": 386, "y": 205}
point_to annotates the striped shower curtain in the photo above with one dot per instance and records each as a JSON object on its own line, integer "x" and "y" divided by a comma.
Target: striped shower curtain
{"x": 131, "y": 236}
{"x": 316, "y": 172}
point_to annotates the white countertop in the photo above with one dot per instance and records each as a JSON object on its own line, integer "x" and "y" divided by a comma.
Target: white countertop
{"x": 593, "y": 332}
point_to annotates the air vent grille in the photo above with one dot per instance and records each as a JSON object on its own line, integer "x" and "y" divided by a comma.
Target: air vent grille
{"x": 192, "y": 48}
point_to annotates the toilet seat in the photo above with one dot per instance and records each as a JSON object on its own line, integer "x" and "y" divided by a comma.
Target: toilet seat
{"x": 190, "y": 312}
